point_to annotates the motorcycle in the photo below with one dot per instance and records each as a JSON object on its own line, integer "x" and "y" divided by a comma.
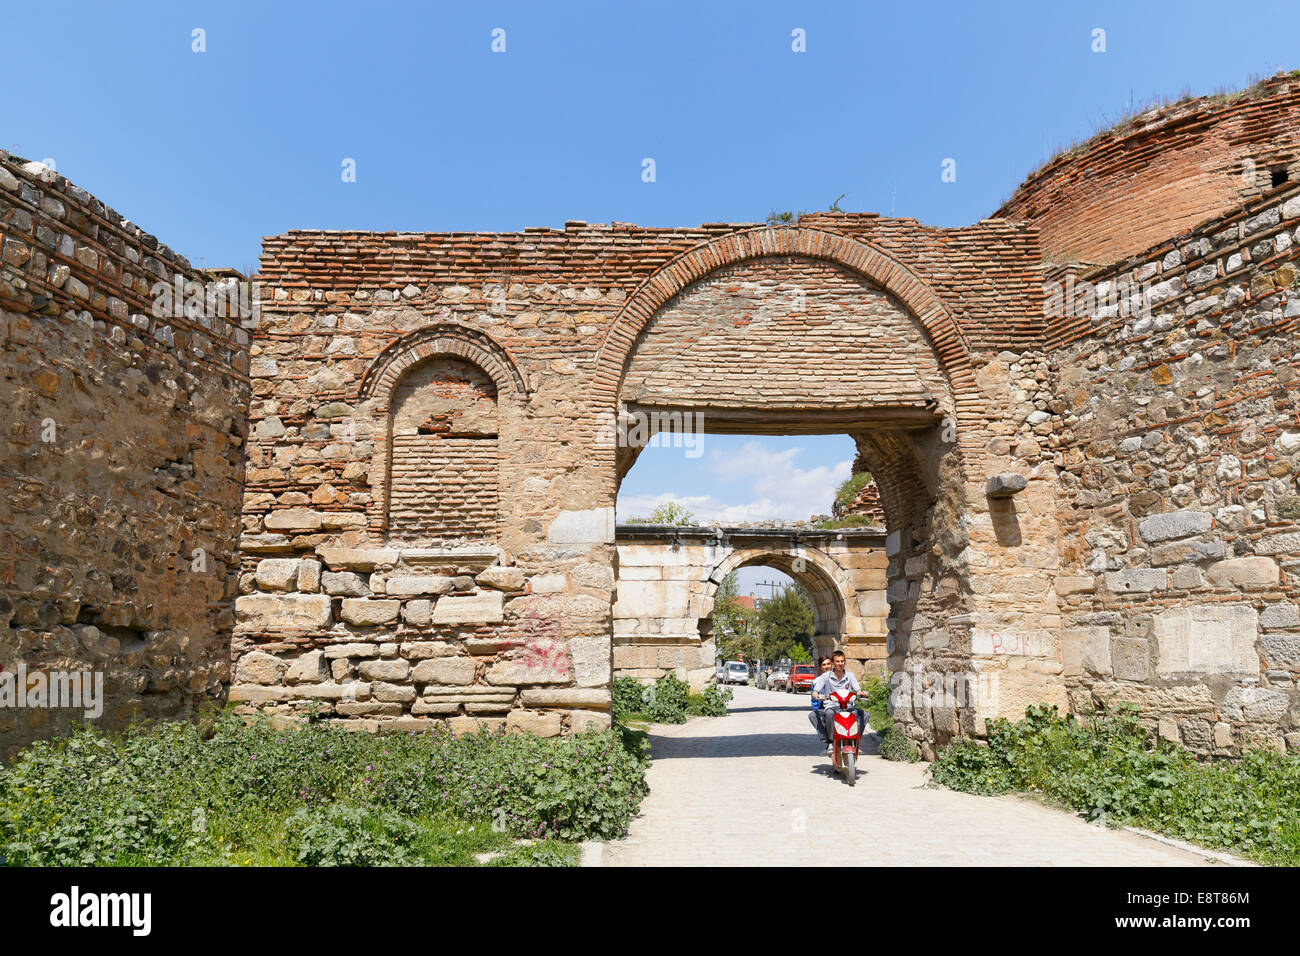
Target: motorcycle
{"x": 847, "y": 729}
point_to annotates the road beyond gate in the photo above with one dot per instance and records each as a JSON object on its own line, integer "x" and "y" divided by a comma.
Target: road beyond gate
{"x": 754, "y": 788}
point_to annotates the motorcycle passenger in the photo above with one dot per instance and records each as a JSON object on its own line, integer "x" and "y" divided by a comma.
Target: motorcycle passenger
{"x": 815, "y": 715}
{"x": 841, "y": 681}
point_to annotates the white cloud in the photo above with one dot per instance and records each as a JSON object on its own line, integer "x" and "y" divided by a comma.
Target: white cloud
{"x": 769, "y": 486}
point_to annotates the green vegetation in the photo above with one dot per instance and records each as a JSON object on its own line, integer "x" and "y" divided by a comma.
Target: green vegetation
{"x": 1107, "y": 768}
{"x": 670, "y": 512}
{"x": 847, "y": 492}
{"x": 894, "y": 744}
{"x": 735, "y": 630}
{"x": 848, "y": 521}
{"x": 666, "y": 701}
{"x": 227, "y": 792}
{"x": 786, "y": 622}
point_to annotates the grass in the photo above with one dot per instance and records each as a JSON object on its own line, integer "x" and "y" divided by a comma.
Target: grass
{"x": 227, "y": 792}
{"x": 1109, "y": 769}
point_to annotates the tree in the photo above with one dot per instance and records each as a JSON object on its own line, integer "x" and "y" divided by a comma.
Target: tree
{"x": 786, "y": 622}
{"x": 735, "y": 630}
{"x": 670, "y": 512}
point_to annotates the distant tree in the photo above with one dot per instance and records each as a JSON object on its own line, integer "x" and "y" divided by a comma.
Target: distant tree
{"x": 799, "y": 654}
{"x": 670, "y": 512}
{"x": 786, "y": 622}
{"x": 735, "y": 630}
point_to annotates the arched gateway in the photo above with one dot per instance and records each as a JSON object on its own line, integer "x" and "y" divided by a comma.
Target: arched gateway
{"x": 456, "y": 558}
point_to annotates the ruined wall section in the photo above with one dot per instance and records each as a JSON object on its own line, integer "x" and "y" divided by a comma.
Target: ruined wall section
{"x": 515, "y": 628}
{"x": 1163, "y": 173}
{"x": 1177, "y": 433}
{"x": 120, "y": 464}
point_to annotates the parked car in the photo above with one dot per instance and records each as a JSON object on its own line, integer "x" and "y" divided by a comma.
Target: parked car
{"x": 800, "y": 679}
{"x": 737, "y": 673}
{"x": 776, "y": 679}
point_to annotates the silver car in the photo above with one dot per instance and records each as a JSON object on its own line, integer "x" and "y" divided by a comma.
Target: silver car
{"x": 737, "y": 673}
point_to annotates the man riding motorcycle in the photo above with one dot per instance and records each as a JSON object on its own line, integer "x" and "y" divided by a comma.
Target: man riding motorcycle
{"x": 836, "y": 680}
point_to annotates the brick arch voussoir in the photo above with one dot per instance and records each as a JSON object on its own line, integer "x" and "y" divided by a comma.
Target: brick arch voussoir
{"x": 432, "y": 341}
{"x": 944, "y": 333}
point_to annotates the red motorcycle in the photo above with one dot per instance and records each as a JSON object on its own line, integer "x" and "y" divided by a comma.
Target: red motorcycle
{"x": 847, "y": 729}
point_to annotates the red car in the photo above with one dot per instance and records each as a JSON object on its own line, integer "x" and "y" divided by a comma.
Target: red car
{"x": 800, "y": 678}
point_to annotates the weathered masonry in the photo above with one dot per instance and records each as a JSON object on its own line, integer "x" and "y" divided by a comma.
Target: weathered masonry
{"x": 1081, "y": 418}
{"x": 668, "y": 577}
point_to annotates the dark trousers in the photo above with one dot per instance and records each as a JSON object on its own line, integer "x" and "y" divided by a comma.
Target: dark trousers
{"x": 822, "y": 719}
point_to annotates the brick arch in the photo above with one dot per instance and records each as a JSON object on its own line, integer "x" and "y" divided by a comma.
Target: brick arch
{"x": 445, "y": 339}
{"x": 944, "y": 334}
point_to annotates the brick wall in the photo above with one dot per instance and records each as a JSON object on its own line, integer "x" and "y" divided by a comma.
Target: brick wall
{"x": 1163, "y": 173}
{"x": 120, "y": 465}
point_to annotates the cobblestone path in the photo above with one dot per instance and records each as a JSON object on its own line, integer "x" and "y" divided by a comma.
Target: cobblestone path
{"x": 754, "y": 788}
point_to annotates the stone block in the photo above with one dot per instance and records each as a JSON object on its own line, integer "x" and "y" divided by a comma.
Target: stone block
{"x": 364, "y": 612}
{"x": 413, "y": 585}
{"x": 418, "y": 613}
{"x": 423, "y": 650}
{"x": 259, "y": 668}
{"x": 1085, "y": 650}
{"x": 566, "y": 697}
{"x": 310, "y": 668}
{"x": 266, "y": 611}
{"x": 308, "y": 576}
{"x": 293, "y": 520}
{"x": 589, "y": 721}
{"x": 277, "y": 574}
{"x": 1005, "y": 485}
{"x": 1136, "y": 580}
{"x": 1206, "y": 639}
{"x": 344, "y": 583}
{"x": 351, "y": 650}
{"x": 444, "y": 670}
{"x": 1279, "y": 615}
{"x": 1174, "y": 524}
{"x": 1243, "y": 573}
{"x": 485, "y": 608}
{"x": 501, "y": 578}
{"x": 384, "y": 670}
{"x": 471, "y": 725}
{"x": 1129, "y": 658}
{"x": 357, "y": 559}
{"x": 593, "y": 526}
{"x": 401, "y": 693}
{"x": 532, "y": 722}
{"x": 1255, "y": 705}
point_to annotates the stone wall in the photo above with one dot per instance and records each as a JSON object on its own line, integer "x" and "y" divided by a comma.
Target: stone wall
{"x": 668, "y": 579}
{"x": 1178, "y": 436}
{"x": 121, "y": 461}
{"x": 349, "y": 608}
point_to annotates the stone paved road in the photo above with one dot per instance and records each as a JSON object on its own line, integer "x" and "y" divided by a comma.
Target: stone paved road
{"x": 754, "y": 788}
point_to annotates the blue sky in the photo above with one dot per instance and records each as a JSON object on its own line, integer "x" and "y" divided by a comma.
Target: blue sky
{"x": 210, "y": 151}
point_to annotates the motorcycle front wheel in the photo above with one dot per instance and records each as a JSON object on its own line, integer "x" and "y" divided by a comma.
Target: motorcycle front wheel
{"x": 851, "y": 767}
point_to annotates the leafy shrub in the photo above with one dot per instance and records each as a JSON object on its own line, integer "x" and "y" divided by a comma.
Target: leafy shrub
{"x": 666, "y": 700}
{"x": 894, "y": 745}
{"x": 711, "y": 702}
{"x": 342, "y": 835}
{"x": 1107, "y": 769}
{"x": 230, "y": 793}
{"x": 628, "y": 697}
